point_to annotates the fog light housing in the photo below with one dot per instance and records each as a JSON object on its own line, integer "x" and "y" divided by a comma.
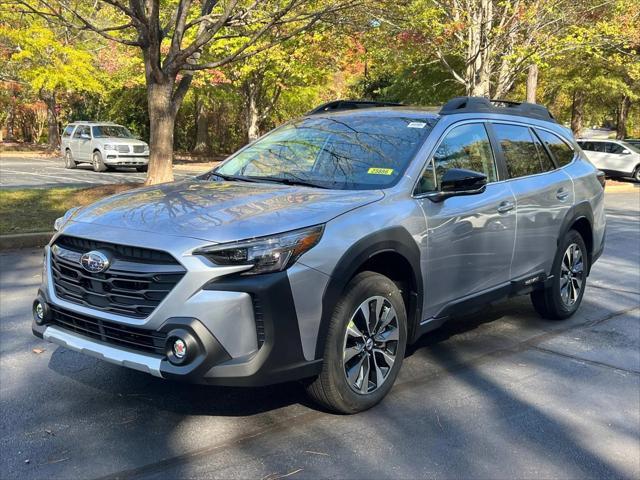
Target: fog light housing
{"x": 181, "y": 347}
{"x": 40, "y": 312}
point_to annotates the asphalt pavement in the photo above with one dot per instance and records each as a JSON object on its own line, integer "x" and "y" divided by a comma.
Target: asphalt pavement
{"x": 17, "y": 170}
{"x": 498, "y": 394}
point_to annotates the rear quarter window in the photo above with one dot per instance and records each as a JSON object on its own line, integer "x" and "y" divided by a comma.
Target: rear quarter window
{"x": 68, "y": 131}
{"x": 559, "y": 148}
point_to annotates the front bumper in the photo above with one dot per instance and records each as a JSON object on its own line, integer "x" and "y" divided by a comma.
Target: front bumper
{"x": 246, "y": 328}
{"x": 125, "y": 159}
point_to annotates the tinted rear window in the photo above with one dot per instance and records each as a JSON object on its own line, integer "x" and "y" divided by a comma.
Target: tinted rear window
{"x": 561, "y": 151}
{"x": 68, "y": 131}
{"x": 520, "y": 152}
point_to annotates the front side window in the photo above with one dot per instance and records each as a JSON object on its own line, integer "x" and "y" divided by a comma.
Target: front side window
{"x": 68, "y": 131}
{"x": 115, "y": 131}
{"x": 614, "y": 148}
{"x": 466, "y": 147}
{"x": 341, "y": 152}
{"x": 561, "y": 151}
{"x": 520, "y": 152}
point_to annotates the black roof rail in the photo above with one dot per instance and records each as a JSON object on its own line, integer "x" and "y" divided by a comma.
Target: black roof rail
{"x": 486, "y": 105}
{"x": 338, "y": 105}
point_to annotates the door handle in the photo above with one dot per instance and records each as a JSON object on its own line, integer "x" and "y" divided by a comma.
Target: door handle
{"x": 562, "y": 194}
{"x": 506, "y": 207}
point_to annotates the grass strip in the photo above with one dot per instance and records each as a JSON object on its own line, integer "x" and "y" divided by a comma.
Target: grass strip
{"x": 30, "y": 210}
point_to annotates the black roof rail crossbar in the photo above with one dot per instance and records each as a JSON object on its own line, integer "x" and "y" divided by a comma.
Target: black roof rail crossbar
{"x": 485, "y": 105}
{"x": 338, "y": 105}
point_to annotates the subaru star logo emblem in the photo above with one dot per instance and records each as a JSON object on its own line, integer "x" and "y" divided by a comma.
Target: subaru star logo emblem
{"x": 94, "y": 261}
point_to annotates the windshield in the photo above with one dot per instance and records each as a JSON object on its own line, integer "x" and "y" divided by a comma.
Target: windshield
{"x": 103, "y": 131}
{"x": 633, "y": 148}
{"x": 341, "y": 152}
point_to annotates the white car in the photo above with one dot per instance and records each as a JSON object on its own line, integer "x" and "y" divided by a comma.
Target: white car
{"x": 104, "y": 145}
{"x": 616, "y": 158}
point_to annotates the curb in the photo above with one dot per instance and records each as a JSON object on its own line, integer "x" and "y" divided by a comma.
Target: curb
{"x": 614, "y": 186}
{"x": 24, "y": 240}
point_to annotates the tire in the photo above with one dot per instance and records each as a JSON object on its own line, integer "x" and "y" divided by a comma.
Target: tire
{"x": 636, "y": 174}
{"x": 144, "y": 168}
{"x": 343, "y": 392}
{"x": 69, "y": 162}
{"x": 97, "y": 163}
{"x": 562, "y": 297}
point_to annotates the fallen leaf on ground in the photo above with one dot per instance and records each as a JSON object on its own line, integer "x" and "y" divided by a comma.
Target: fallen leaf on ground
{"x": 38, "y": 350}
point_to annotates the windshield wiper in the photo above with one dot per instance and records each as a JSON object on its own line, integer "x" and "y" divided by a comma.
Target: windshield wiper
{"x": 287, "y": 181}
{"x": 231, "y": 178}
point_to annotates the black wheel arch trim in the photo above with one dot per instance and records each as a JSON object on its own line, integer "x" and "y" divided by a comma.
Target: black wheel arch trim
{"x": 394, "y": 239}
{"x": 578, "y": 212}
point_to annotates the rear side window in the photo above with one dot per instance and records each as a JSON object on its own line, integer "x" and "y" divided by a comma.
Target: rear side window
{"x": 81, "y": 130}
{"x": 466, "y": 147}
{"x": 561, "y": 151}
{"x": 520, "y": 152}
{"x": 68, "y": 131}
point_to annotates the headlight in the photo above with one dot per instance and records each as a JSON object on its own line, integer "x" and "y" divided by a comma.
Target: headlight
{"x": 266, "y": 254}
{"x": 110, "y": 146}
{"x": 146, "y": 148}
{"x": 62, "y": 221}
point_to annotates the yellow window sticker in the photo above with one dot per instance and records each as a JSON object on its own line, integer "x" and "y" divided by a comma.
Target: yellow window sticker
{"x": 380, "y": 171}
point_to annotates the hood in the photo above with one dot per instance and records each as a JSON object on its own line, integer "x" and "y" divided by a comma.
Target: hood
{"x": 222, "y": 211}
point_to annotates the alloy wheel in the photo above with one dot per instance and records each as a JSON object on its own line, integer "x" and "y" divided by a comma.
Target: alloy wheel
{"x": 370, "y": 345}
{"x": 571, "y": 275}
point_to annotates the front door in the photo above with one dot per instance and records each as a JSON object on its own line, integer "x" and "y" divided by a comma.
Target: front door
{"x": 615, "y": 159}
{"x": 469, "y": 239}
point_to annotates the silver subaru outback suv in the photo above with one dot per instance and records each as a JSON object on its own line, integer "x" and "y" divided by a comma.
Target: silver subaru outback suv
{"x": 320, "y": 251}
{"x": 104, "y": 145}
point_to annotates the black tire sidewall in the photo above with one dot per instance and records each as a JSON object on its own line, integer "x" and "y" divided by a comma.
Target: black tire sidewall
{"x": 559, "y": 306}
{"x": 363, "y": 286}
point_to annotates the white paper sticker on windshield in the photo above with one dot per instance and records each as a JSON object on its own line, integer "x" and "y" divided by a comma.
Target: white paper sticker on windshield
{"x": 417, "y": 125}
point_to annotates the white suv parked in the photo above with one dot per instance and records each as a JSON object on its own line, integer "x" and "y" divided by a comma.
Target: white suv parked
{"x": 103, "y": 145}
{"x": 616, "y": 158}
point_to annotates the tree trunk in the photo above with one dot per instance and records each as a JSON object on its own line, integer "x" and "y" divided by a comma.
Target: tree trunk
{"x": 202, "y": 128}
{"x": 577, "y": 110}
{"x": 252, "y": 115}
{"x": 532, "y": 83}
{"x": 162, "y": 117}
{"x": 623, "y": 113}
{"x": 52, "y": 119}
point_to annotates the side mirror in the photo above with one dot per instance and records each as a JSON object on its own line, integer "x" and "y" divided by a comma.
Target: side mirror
{"x": 457, "y": 181}
{"x": 626, "y": 151}
{"x": 84, "y": 136}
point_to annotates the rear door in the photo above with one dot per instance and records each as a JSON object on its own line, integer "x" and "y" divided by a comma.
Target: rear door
{"x": 544, "y": 194}
{"x": 597, "y": 155}
{"x": 470, "y": 239}
{"x": 81, "y": 144}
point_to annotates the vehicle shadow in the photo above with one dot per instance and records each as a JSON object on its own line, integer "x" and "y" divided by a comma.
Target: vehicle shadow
{"x": 173, "y": 396}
